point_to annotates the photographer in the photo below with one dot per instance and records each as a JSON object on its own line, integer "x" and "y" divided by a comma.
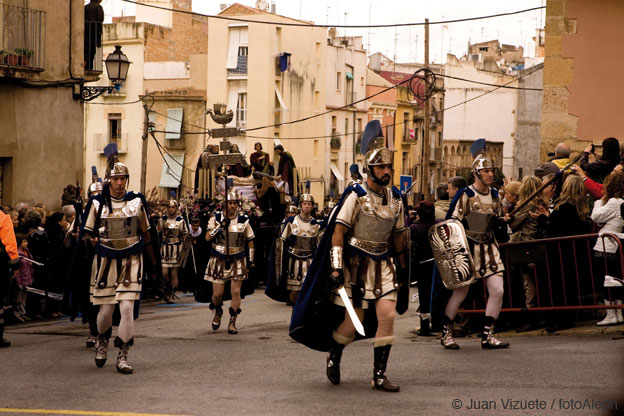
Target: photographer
{"x": 560, "y": 159}
{"x": 598, "y": 170}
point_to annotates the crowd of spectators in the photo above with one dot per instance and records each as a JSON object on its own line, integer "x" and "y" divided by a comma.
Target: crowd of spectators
{"x": 574, "y": 199}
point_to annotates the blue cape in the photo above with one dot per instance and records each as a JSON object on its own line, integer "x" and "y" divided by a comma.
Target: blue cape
{"x": 315, "y": 316}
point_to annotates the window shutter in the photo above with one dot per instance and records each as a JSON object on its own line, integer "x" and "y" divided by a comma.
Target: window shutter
{"x": 174, "y": 123}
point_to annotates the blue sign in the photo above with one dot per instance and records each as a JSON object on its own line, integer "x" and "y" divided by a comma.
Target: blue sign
{"x": 406, "y": 182}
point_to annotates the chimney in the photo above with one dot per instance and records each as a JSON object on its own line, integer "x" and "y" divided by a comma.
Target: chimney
{"x": 273, "y": 8}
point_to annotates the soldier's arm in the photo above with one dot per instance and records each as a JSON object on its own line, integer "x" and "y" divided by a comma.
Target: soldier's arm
{"x": 338, "y": 241}
{"x": 400, "y": 247}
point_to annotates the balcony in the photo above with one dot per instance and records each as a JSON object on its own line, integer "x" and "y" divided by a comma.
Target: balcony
{"x": 94, "y": 62}
{"x": 100, "y": 140}
{"x": 22, "y": 38}
{"x": 241, "y": 66}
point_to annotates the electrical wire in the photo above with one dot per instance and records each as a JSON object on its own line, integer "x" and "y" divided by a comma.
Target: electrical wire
{"x": 236, "y": 19}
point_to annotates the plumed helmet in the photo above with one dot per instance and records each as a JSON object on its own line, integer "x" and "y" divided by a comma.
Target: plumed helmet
{"x": 94, "y": 187}
{"x": 119, "y": 169}
{"x": 306, "y": 198}
{"x": 291, "y": 209}
{"x": 233, "y": 195}
{"x": 482, "y": 162}
{"x": 173, "y": 203}
{"x": 331, "y": 204}
{"x": 373, "y": 146}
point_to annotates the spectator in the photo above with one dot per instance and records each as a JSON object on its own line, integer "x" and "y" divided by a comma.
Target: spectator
{"x": 93, "y": 19}
{"x": 549, "y": 192}
{"x": 607, "y": 212}
{"x": 560, "y": 160}
{"x": 593, "y": 188}
{"x": 570, "y": 216}
{"x": 25, "y": 277}
{"x": 529, "y": 224}
{"x": 443, "y": 201}
{"x": 240, "y": 169}
{"x": 423, "y": 262}
{"x": 610, "y": 157}
{"x": 455, "y": 184}
{"x": 511, "y": 196}
{"x": 8, "y": 262}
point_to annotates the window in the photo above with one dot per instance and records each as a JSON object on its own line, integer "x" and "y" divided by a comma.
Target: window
{"x": 361, "y": 81}
{"x": 237, "y": 50}
{"x": 316, "y": 148}
{"x": 406, "y": 126}
{"x": 114, "y": 127}
{"x": 174, "y": 123}
{"x": 241, "y": 110}
{"x": 333, "y": 126}
{"x": 483, "y": 48}
{"x": 338, "y": 78}
{"x": 346, "y": 130}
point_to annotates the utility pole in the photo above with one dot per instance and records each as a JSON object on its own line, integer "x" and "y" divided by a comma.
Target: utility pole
{"x": 146, "y": 127}
{"x": 427, "y": 138}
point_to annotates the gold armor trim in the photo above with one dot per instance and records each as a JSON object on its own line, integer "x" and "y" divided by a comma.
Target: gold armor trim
{"x": 119, "y": 243}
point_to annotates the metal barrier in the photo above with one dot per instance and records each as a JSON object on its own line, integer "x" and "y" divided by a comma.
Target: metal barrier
{"x": 572, "y": 280}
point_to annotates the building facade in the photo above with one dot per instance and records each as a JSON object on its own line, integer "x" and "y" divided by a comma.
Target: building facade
{"x": 270, "y": 75}
{"x": 41, "y": 70}
{"x": 167, "y": 75}
{"x": 582, "y": 93}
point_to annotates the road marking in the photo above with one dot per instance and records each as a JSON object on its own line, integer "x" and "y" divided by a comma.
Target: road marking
{"x": 77, "y": 412}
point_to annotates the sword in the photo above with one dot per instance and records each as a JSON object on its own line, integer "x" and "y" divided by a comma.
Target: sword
{"x": 354, "y": 318}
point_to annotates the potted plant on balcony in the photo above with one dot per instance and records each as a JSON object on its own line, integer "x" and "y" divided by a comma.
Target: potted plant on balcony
{"x": 334, "y": 143}
{"x": 24, "y": 55}
{"x": 9, "y": 57}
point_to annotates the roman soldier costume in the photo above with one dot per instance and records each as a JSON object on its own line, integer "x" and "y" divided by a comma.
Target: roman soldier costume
{"x": 480, "y": 213}
{"x": 229, "y": 257}
{"x": 172, "y": 230}
{"x": 366, "y": 263}
{"x": 119, "y": 227}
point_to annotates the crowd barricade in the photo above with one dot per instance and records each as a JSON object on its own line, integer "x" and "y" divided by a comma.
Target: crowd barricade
{"x": 565, "y": 272}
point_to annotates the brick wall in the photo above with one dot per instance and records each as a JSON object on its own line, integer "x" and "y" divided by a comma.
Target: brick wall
{"x": 190, "y": 36}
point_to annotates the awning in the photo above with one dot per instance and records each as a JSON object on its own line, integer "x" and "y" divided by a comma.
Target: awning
{"x": 338, "y": 176}
{"x": 171, "y": 171}
{"x": 349, "y": 75}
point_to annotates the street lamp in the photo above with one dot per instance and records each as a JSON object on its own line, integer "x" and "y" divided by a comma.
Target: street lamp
{"x": 117, "y": 64}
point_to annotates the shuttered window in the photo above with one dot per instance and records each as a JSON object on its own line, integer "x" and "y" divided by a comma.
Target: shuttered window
{"x": 174, "y": 123}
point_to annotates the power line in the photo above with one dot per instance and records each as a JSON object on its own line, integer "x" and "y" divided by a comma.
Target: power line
{"x": 235, "y": 19}
{"x": 492, "y": 85}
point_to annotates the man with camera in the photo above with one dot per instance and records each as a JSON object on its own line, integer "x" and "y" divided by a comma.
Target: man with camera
{"x": 560, "y": 159}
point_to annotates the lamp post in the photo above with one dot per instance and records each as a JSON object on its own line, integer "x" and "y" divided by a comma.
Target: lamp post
{"x": 117, "y": 64}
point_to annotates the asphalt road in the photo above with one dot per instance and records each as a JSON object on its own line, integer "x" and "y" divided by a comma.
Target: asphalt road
{"x": 182, "y": 367}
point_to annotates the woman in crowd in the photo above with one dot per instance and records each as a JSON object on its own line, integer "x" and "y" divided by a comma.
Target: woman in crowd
{"x": 607, "y": 212}
{"x": 603, "y": 166}
{"x": 570, "y": 216}
{"x": 528, "y": 224}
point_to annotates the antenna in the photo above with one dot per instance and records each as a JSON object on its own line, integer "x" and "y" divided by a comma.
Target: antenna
{"x": 369, "y": 22}
{"x": 396, "y": 35}
{"x": 327, "y": 15}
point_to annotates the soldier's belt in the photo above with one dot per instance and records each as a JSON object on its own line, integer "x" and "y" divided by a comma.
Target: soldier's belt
{"x": 119, "y": 243}
{"x": 297, "y": 252}
{"x": 171, "y": 241}
{"x": 233, "y": 249}
{"x": 371, "y": 247}
{"x": 483, "y": 238}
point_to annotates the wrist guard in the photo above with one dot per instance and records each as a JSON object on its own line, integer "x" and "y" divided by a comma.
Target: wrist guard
{"x": 335, "y": 257}
{"x": 252, "y": 255}
{"x": 215, "y": 231}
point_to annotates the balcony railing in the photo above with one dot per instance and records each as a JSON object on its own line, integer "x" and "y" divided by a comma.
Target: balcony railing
{"x": 93, "y": 46}
{"x": 241, "y": 66}
{"x": 22, "y": 37}
{"x": 100, "y": 140}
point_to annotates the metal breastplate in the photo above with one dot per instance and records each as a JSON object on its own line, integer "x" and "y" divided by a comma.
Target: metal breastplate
{"x": 304, "y": 246}
{"x": 119, "y": 233}
{"x": 236, "y": 240}
{"x": 373, "y": 226}
{"x": 479, "y": 220}
{"x": 171, "y": 233}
